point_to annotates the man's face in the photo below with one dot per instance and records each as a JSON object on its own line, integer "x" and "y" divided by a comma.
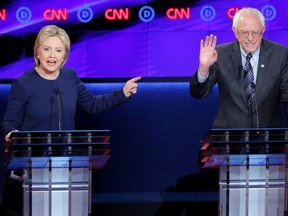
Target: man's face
{"x": 249, "y": 32}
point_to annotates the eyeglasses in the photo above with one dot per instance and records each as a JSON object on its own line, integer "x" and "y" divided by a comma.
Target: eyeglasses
{"x": 245, "y": 34}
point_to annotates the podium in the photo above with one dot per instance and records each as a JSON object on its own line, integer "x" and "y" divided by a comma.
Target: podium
{"x": 253, "y": 170}
{"x": 57, "y": 169}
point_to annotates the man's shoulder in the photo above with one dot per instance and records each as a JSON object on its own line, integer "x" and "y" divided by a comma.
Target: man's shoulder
{"x": 227, "y": 48}
{"x": 268, "y": 44}
{"x": 227, "y": 45}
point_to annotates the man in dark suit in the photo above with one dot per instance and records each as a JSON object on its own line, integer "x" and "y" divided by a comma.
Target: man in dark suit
{"x": 224, "y": 65}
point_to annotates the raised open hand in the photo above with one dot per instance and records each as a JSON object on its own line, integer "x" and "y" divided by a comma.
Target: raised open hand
{"x": 208, "y": 54}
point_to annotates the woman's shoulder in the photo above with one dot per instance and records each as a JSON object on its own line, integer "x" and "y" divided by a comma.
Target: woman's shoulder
{"x": 68, "y": 72}
{"x": 27, "y": 76}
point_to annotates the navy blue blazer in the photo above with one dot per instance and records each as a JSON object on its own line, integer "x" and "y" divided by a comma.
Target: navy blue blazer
{"x": 33, "y": 102}
{"x": 271, "y": 87}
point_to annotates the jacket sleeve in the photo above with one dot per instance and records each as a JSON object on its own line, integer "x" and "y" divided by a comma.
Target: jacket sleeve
{"x": 15, "y": 108}
{"x": 202, "y": 90}
{"x": 92, "y": 103}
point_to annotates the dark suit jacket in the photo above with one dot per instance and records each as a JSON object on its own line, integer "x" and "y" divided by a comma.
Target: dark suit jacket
{"x": 271, "y": 87}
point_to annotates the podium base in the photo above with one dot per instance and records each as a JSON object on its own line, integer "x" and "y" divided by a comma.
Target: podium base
{"x": 57, "y": 192}
{"x": 253, "y": 190}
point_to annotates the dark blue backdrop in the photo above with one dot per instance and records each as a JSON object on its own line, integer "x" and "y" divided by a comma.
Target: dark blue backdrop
{"x": 155, "y": 141}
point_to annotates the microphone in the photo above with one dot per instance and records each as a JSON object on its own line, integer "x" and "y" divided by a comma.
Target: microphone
{"x": 57, "y": 93}
{"x": 253, "y": 85}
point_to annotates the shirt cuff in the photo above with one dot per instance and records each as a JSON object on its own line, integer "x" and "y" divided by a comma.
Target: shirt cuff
{"x": 201, "y": 79}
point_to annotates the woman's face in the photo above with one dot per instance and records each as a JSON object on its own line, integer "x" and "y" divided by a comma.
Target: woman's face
{"x": 51, "y": 54}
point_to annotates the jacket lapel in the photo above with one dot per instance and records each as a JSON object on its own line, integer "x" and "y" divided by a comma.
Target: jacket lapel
{"x": 237, "y": 62}
{"x": 262, "y": 65}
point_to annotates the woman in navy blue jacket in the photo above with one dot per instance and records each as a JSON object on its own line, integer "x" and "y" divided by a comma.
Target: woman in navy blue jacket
{"x": 46, "y": 96}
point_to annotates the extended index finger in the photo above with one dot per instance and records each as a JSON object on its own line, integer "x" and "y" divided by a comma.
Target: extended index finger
{"x": 135, "y": 79}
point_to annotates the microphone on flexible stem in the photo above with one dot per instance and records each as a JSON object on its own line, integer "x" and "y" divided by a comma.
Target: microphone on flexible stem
{"x": 253, "y": 85}
{"x": 57, "y": 93}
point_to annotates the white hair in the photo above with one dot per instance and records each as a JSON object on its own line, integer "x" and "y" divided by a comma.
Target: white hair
{"x": 248, "y": 10}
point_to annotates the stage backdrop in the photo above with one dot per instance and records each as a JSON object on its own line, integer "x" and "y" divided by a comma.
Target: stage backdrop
{"x": 155, "y": 143}
{"x": 127, "y": 38}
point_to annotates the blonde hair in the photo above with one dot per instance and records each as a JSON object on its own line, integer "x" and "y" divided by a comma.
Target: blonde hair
{"x": 248, "y": 10}
{"x": 51, "y": 31}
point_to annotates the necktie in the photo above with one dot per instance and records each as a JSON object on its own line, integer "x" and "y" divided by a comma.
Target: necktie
{"x": 248, "y": 79}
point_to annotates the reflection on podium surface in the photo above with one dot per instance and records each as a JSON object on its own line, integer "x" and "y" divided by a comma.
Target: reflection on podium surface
{"x": 252, "y": 170}
{"x": 57, "y": 169}
{"x": 36, "y": 149}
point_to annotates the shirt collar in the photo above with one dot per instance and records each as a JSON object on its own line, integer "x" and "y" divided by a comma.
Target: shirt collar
{"x": 243, "y": 53}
